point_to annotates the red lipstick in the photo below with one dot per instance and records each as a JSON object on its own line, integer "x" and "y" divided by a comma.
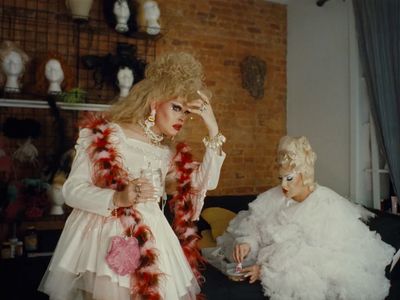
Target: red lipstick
{"x": 177, "y": 127}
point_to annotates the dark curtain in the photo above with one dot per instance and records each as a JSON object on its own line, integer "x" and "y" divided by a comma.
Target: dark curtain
{"x": 378, "y": 33}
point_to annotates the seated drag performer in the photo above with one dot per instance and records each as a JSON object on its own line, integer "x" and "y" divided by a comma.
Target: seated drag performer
{"x": 304, "y": 241}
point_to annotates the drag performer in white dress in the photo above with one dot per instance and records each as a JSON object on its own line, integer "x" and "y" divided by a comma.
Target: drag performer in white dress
{"x": 116, "y": 243}
{"x": 304, "y": 241}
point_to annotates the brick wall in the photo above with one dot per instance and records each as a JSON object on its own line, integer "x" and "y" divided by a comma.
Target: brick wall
{"x": 221, "y": 33}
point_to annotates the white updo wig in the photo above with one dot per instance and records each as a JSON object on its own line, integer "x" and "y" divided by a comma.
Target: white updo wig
{"x": 297, "y": 154}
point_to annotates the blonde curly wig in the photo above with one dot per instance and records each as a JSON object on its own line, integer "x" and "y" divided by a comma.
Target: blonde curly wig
{"x": 297, "y": 154}
{"x": 6, "y": 48}
{"x": 169, "y": 76}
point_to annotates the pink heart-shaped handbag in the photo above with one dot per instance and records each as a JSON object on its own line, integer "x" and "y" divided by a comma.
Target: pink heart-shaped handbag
{"x": 123, "y": 255}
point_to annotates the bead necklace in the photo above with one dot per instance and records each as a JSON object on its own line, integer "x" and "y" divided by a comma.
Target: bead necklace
{"x": 154, "y": 138}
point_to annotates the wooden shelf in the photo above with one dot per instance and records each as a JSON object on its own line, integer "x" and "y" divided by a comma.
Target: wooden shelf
{"x": 43, "y": 105}
{"x": 43, "y": 224}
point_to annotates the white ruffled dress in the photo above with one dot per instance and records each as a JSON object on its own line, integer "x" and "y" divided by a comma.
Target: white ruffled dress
{"x": 314, "y": 250}
{"x": 78, "y": 269}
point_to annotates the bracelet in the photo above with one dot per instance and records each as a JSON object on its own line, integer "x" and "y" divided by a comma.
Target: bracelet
{"x": 215, "y": 142}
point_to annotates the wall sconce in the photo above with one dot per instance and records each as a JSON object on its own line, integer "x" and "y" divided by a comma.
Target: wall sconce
{"x": 79, "y": 9}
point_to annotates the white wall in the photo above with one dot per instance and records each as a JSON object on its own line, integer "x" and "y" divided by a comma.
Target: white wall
{"x": 318, "y": 70}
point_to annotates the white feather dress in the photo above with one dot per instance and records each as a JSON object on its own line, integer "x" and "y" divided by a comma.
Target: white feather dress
{"x": 78, "y": 269}
{"x": 317, "y": 249}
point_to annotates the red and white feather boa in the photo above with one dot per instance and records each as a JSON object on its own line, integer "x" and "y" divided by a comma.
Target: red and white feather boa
{"x": 182, "y": 206}
{"x": 108, "y": 172}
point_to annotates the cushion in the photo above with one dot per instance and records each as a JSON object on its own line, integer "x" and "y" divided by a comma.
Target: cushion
{"x": 218, "y": 218}
{"x": 206, "y": 240}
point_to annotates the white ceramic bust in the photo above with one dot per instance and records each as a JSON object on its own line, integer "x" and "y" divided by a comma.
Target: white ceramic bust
{"x": 13, "y": 67}
{"x": 125, "y": 81}
{"x": 55, "y": 75}
{"x": 122, "y": 14}
{"x": 151, "y": 13}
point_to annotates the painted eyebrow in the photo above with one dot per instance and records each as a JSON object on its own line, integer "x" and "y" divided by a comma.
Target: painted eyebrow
{"x": 288, "y": 175}
{"x": 177, "y": 104}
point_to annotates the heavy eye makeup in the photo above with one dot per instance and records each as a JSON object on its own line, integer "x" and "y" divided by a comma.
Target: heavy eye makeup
{"x": 178, "y": 108}
{"x": 289, "y": 177}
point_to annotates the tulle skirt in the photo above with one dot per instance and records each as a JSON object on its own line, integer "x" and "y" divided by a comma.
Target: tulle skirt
{"x": 78, "y": 269}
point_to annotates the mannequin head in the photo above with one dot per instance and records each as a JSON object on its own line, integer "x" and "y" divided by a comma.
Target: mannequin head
{"x": 122, "y": 14}
{"x": 125, "y": 80}
{"x": 119, "y": 15}
{"x": 151, "y": 10}
{"x": 296, "y": 161}
{"x": 53, "y": 75}
{"x": 125, "y": 68}
{"x": 148, "y": 17}
{"x": 13, "y": 62}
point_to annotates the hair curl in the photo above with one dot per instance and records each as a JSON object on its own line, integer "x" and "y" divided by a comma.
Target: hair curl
{"x": 297, "y": 154}
{"x": 169, "y": 76}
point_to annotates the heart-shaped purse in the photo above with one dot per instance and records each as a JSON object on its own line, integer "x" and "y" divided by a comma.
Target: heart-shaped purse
{"x": 123, "y": 255}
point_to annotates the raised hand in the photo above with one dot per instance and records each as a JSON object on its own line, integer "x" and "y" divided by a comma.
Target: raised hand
{"x": 203, "y": 108}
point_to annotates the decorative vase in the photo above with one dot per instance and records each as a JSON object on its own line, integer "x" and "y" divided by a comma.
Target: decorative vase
{"x": 79, "y": 9}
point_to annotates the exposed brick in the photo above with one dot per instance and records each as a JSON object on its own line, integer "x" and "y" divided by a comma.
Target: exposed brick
{"x": 220, "y": 33}
{"x": 253, "y": 30}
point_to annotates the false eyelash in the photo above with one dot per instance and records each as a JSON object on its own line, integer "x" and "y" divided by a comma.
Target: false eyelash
{"x": 175, "y": 107}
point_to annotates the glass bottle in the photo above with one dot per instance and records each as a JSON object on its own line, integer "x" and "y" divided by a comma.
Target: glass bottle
{"x": 6, "y": 250}
{"x": 31, "y": 240}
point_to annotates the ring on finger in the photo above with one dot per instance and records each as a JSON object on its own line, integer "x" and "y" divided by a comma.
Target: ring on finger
{"x": 203, "y": 107}
{"x": 137, "y": 188}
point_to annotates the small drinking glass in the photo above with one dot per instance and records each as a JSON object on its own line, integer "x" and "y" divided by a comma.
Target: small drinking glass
{"x": 154, "y": 176}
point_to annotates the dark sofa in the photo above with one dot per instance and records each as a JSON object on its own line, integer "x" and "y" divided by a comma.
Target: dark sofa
{"x": 218, "y": 286}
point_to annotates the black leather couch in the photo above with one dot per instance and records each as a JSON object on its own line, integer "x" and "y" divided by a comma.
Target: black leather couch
{"x": 217, "y": 286}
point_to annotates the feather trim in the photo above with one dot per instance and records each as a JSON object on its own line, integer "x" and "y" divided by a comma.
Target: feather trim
{"x": 182, "y": 207}
{"x": 108, "y": 172}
